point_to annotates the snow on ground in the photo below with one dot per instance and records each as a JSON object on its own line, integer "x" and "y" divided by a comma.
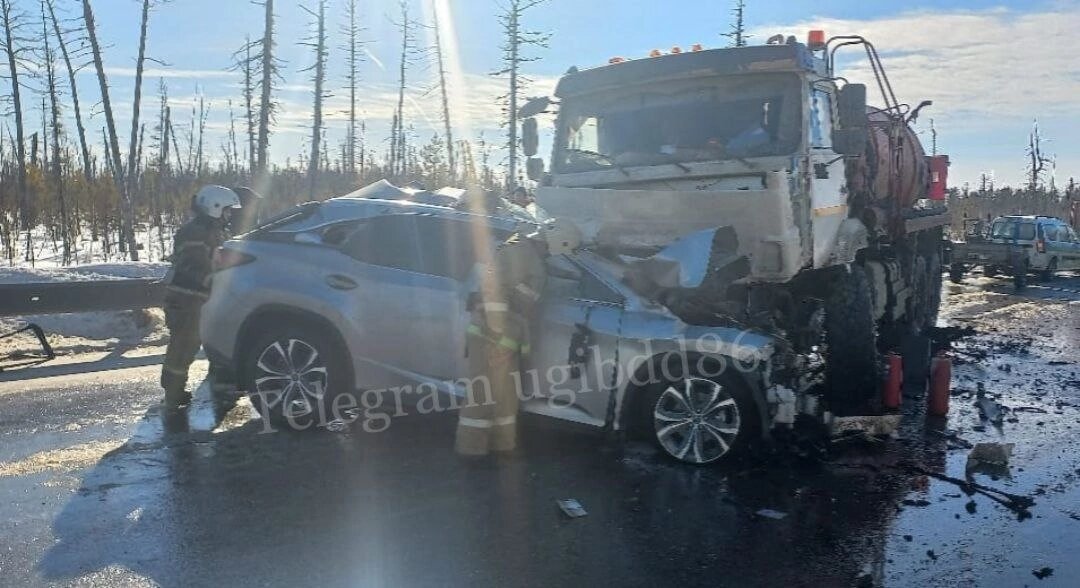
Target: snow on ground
{"x": 87, "y": 331}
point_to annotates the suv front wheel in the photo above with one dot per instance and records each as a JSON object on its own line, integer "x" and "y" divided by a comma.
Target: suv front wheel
{"x": 294, "y": 371}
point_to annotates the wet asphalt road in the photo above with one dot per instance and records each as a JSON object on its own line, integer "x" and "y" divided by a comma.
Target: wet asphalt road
{"x": 97, "y": 489}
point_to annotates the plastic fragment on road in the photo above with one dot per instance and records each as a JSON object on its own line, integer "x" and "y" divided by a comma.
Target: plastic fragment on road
{"x": 769, "y": 513}
{"x": 990, "y": 410}
{"x": 571, "y": 508}
{"x": 991, "y": 453}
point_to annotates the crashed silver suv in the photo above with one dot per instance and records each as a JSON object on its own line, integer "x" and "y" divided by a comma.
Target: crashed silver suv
{"x": 359, "y": 304}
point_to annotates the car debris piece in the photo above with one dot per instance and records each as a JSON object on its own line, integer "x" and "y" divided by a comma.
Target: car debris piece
{"x": 1042, "y": 573}
{"x": 769, "y": 513}
{"x": 571, "y": 508}
{"x": 990, "y": 453}
{"x": 990, "y": 410}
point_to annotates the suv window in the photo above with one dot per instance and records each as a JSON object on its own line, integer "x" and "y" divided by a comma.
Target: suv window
{"x": 1053, "y": 233}
{"x": 1013, "y": 229}
{"x": 416, "y": 243}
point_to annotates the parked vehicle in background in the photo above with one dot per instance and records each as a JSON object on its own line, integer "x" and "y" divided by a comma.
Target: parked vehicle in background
{"x": 1016, "y": 245}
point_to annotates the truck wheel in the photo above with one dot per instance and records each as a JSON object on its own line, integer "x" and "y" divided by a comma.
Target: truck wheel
{"x": 956, "y": 273}
{"x": 851, "y": 363}
{"x": 294, "y": 371}
{"x": 1051, "y": 269}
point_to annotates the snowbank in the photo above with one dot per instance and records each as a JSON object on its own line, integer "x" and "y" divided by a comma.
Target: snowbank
{"x": 98, "y": 271}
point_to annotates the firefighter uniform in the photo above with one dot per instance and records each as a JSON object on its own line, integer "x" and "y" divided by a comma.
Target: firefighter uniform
{"x": 497, "y": 339}
{"x": 187, "y": 290}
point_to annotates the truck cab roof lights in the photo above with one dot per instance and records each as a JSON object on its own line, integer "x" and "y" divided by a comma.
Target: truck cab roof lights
{"x": 676, "y": 50}
{"x": 815, "y": 40}
{"x": 655, "y": 53}
{"x": 615, "y": 60}
{"x": 697, "y": 47}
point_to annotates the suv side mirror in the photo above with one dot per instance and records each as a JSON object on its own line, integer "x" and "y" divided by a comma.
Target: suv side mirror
{"x": 530, "y": 137}
{"x": 534, "y": 168}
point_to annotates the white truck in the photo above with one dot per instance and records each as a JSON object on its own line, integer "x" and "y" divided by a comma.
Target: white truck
{"x": 837, "y": 209}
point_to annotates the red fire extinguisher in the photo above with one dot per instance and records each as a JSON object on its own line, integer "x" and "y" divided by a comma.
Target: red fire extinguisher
{"x": 894, "y": 380}
{"x": 940, "y": 380}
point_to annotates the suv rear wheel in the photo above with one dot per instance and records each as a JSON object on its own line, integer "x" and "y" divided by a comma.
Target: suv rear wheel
{"x": 294, "y": 371}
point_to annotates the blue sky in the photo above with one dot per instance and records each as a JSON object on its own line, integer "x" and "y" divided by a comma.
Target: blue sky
{"x": 991, "y": 67}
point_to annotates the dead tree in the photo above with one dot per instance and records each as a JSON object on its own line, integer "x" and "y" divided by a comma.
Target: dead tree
{"x": 244, "y": 62}
{"x": 318, "y": 69}
{"x": 517, "y": 40}
{"x": 140, "y": 62}
{"x": 352, "y": 31}
{"x": 269, "y": 74}
{"x": 15, "y": 46}
{"x": 1036, "y": 160}
{"x": 737, "y": 34}
{"x": 447, "y": 124}
{"x": 126, "y": 211}
{"x": 409, "y": 51}
{"x": 54, "y": 118}
{"x": 84, "y": 148}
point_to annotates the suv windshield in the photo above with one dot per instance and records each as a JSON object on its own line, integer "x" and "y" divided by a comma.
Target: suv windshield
{"x": 735, "y": 117}
{"x": 1007, "y": 228}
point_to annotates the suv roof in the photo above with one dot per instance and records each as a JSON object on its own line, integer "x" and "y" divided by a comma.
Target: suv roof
{"x": 345, "y": 209}
{"x": 1031, "y": 217}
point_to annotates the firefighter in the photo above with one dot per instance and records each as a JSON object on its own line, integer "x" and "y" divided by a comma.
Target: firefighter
{"x": 498, "y": 338}
{"x": 188, "y": 285}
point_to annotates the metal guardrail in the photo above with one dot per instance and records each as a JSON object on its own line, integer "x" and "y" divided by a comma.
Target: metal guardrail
{"x": 82, "y": 296}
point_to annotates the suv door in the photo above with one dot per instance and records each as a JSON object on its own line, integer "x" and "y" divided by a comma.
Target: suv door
{"x": 411, "y": 293}
{"x": 1073, "y": 256}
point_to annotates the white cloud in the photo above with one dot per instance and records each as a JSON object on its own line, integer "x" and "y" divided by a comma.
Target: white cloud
{"x": 977, "y": 66}
{"x": 163, "y": 72}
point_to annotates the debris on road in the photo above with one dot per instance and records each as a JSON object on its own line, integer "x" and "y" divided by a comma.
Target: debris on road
{"x": 1043, "y": 573}
{"x": 990, "y": 453}
{"x": 571, "y": 508}
{"x": 990, "y": 410}
{"x": 769, "y": 513}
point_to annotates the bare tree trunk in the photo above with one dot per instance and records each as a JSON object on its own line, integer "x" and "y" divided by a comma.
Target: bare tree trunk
{"x": 317, "y": 109}
{"x": 352, "y": 29}
{"x": 10, "y": 40}
{"x": 447, "y": 125}
{"x": 84, "y": 148}
{"x": 126, "y": 211}
{"x": 249, "y": 108}
{"x": 57, "y": 168}
{"x": 516, "y": 39}
{"x": 398, "y": 143}
{"x": 266, "y": 98}
{"x": 137, "y": 102}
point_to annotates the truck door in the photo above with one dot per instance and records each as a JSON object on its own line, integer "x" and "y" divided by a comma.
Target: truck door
{"x": 828, "y": 202}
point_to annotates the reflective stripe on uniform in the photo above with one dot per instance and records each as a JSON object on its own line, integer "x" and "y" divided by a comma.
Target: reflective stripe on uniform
{"x": 495, "y": 306}
{"x": 175, "y": 371}
{"x": 474, "y": 423}
{"x": 505, "y": 421}
{"x": 183, "y": 290}
{"x": 528, "y": 292}
{"x": 501, "y": 341}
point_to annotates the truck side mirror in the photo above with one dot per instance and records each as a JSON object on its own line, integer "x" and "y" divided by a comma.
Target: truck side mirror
{"x": 534, "y": 106}
{"x": 851, "y": 106}
{"x": 850, "y": 141}
{"x": 530, "y": 137}
{"x": 534, "y": 168}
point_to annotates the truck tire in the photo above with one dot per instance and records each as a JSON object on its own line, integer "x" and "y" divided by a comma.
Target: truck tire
{"x": 956, "y": 273}
{"x": 852, "y": 371}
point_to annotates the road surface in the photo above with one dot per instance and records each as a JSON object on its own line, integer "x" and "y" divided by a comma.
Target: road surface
{"x": 97, "y": 489}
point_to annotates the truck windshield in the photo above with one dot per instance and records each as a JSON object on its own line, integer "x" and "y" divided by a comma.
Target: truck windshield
{"x": 1013, "y": 229}
{"x": 735, "y": 117}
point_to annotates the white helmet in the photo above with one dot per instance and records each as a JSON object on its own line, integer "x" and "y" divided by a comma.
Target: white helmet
{"x": 562, "y": 237}
{"x": 213, "y": 200}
